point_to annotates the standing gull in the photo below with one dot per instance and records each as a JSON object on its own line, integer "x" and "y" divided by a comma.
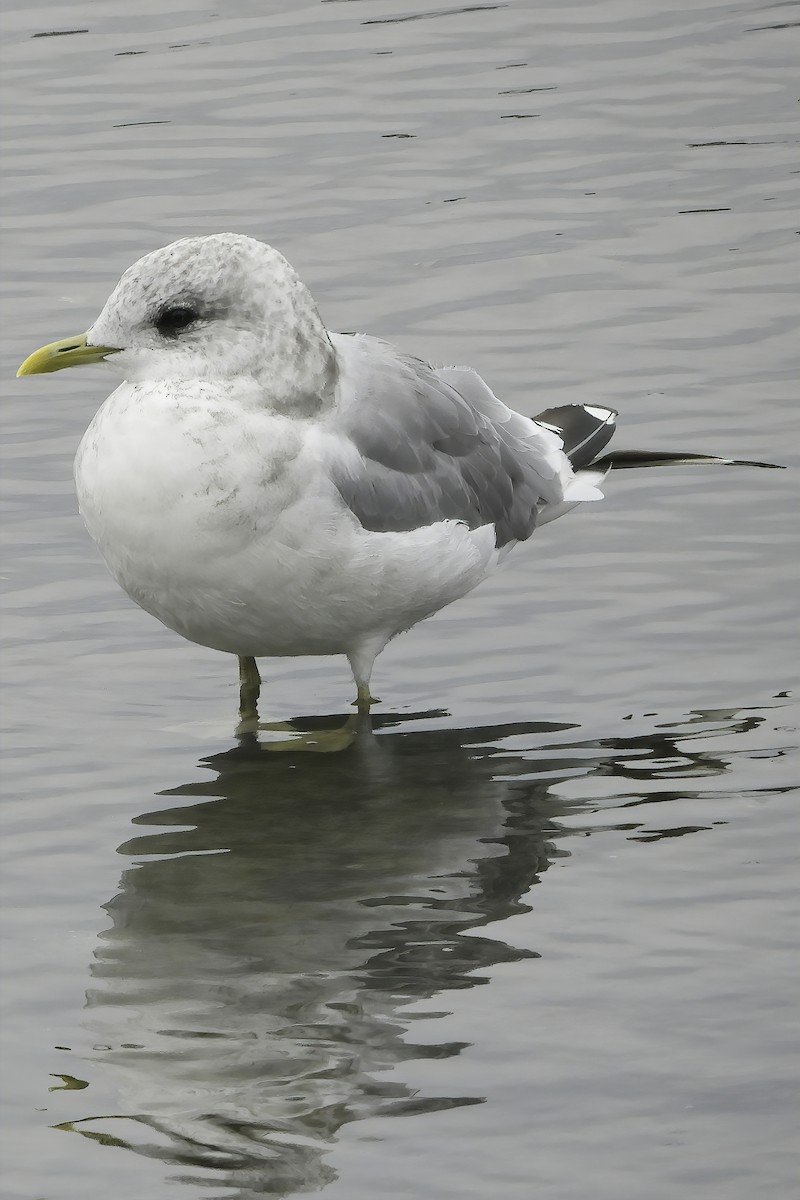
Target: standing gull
{"x": 266, "y": 487}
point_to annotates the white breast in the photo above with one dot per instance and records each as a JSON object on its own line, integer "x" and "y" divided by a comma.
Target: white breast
{"x": 217, "y": 517}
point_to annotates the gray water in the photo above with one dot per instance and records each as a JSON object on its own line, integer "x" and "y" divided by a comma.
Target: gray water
{"x": 533, "y": 936}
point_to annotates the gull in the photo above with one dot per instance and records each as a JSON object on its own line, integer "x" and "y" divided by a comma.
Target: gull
{"x": 266, "y": 487}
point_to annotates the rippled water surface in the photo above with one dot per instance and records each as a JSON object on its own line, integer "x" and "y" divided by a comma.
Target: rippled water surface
{"x": 531, "y": 936}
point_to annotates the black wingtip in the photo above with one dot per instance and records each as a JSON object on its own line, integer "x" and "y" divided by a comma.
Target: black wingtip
{"x": 747, "y": 462}
{"x": 584, "y": 428}
{"x": 629, "y": 459}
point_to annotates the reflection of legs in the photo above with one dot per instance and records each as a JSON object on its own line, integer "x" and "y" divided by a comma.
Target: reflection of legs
{"x": 314, "y": 741}
{"x": 249, "y": 688}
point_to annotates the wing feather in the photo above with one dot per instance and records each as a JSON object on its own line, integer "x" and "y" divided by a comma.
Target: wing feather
{"x": 434, "y": 445}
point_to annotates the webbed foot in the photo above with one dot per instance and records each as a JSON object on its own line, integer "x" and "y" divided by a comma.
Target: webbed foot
{"x": 364, "y": 698}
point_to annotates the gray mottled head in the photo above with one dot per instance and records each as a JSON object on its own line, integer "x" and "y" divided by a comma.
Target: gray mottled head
{"x": 219, "y": 307}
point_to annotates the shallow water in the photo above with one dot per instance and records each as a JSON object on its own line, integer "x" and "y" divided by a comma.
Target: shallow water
{"x": 531, "y": 935}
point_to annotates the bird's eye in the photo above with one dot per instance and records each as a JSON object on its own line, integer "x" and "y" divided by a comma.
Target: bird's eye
{"x": 171, "y": 320}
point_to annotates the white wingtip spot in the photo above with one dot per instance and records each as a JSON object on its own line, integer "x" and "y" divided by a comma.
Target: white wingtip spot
{"x": 602, "y": 414}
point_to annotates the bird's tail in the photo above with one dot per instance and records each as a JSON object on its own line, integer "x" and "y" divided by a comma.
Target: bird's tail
{"x": 585, "y": 431}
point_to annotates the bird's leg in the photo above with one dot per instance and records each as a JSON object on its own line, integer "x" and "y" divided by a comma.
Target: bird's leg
{"x": 249, "y": 688}
{"x": 362, "y": 659}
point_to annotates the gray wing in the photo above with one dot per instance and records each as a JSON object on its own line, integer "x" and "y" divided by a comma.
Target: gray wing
{"x": 435, "y": 445}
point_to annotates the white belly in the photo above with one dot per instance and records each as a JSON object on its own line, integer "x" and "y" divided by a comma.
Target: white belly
{"x": 216, "y": 519}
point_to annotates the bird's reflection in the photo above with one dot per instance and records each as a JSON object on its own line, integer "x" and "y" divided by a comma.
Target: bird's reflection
{"x": 289, "y": 918}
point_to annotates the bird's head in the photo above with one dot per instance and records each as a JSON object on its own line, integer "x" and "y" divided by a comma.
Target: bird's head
{"x": 221, "y": 307}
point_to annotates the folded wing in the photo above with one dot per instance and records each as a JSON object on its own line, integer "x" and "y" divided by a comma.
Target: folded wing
{"x": 421, "y": 445}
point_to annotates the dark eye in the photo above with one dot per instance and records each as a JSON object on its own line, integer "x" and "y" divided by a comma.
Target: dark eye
{"x": 173, "y": 319}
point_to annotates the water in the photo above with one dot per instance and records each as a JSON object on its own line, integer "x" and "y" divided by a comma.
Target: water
{"x": 533, "y": 935}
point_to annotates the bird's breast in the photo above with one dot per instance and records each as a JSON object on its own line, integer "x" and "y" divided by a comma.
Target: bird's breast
{"x": 167, "y": 481}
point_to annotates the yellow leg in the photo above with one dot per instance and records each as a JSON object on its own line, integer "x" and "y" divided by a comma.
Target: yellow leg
{"x": 249, "y": 688}
{"x": 362, "y": 659}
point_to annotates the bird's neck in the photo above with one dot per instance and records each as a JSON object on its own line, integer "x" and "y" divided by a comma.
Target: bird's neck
{"x": 298, "y": 366}
{"x": 299, "y": 373}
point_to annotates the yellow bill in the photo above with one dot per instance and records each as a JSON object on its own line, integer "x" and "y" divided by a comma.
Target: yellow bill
{"x": 71, "y": 352}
